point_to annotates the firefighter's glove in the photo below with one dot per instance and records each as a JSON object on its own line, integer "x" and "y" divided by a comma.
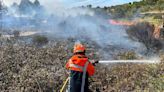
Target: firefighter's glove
{"x": 94, "y": 62}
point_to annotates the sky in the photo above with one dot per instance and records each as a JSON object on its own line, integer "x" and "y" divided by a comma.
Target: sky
{"x": 74, "y": 3}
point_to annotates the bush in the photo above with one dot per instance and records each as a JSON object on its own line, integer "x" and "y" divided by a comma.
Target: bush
{"x": 127, "y": 56}
{"x": 157, "y": 16}
{"x": 16, "y": 34}
{"x": 39, "y": 40}
{"x": 144, "y": 33}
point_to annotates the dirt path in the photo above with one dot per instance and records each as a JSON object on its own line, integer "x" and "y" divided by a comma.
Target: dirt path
{"x": 28, "y": 33}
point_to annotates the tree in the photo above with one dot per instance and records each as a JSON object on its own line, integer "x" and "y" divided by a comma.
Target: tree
{"x": 37, "y": 3}
{"x": 89, "y": 6}
{"x": 105, "y": 7}
{"x": 98, "y": 7}
{"x": 151, "y": 2}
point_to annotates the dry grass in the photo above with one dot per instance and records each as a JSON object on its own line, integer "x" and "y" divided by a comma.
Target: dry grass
{"x": 27, "y": 68}
{"x": 144, "y": 33}
{"x": 31, "y": 69}
{"x": 129, "y": 78}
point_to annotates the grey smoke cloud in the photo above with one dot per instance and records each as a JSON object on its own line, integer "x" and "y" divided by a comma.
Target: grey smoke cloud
{"x": 82, "y": 22}
{"x": 77, "y": 23}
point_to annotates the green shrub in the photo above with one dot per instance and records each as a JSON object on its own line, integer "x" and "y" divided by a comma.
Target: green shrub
{"x": 39, "y": 40}
{"x": 127, "y": 55}
{"x": 157, "y": 16}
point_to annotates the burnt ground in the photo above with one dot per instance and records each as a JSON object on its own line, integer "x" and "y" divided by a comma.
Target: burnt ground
{"x": 28, "y": 68}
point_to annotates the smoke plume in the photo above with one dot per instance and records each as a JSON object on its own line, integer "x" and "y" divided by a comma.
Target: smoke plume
{"x": 59, "y": 22}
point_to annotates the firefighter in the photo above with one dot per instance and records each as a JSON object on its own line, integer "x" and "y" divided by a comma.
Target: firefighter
{"x": 80, "y": 69}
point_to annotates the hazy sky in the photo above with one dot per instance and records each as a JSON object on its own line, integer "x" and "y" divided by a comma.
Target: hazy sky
{"x": 70, "y": 3}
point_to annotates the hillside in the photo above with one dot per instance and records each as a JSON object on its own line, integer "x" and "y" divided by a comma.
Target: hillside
{"x": 134, "y": 8}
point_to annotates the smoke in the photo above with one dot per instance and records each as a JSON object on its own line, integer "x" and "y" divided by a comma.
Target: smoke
{"x": 91, "y": 27}
{"x": 78, "y": 23}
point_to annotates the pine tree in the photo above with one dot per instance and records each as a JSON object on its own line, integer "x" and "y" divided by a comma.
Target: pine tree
{"x": 37, "y": 3}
